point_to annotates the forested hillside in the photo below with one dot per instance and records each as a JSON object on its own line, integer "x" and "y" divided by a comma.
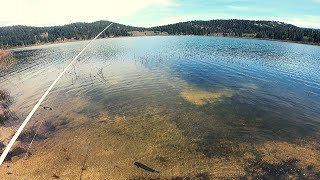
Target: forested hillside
{"x": 26, "y": 35}
{"x": 243, "y": 28}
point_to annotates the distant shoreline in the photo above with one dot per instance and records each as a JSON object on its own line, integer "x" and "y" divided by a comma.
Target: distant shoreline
{"x": 74, "y": 40}
{"x": 13, "y": 37}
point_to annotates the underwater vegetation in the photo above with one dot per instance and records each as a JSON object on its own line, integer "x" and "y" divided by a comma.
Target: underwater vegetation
{"x": 202, "y": 97}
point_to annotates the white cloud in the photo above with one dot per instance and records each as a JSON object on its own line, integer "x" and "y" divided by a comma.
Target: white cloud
{"x": 171, "y": 20}
{"x": 189, "y": 17}
{"x": 241, "y": 8}
{"x": 302, "y": 21}
{"x": 58, "y": 12}
{"x": 154, "y": 12}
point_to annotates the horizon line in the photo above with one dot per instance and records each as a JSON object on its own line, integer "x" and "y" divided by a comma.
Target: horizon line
{"x": 88, "y": 22}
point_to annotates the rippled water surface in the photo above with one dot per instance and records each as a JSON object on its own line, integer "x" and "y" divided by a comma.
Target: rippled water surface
{"x": 188, "y": 107}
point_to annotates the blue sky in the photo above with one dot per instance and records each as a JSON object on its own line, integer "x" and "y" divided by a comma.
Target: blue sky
{"x": 303, "y": 13}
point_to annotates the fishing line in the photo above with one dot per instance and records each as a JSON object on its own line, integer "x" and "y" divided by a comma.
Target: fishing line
{"x": 16, "y": 135}
{"x": 42, "y": 120}
{"x": 85, "y": 159}
{"x": 34, "y": 137}
{"x": 48, "y": 109}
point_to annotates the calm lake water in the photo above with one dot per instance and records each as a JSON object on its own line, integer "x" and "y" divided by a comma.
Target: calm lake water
{"x": 196, "y": 107}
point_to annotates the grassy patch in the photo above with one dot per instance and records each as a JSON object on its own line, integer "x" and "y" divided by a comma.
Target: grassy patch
{"x": 7, "y": 60}
{"x": 5, "y": 102}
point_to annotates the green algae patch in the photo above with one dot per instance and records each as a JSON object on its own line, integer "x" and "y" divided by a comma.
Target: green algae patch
{"x": 201, "y": 97}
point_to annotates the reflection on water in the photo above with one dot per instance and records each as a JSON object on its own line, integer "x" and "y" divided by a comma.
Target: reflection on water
{"x": 194, "y": 107}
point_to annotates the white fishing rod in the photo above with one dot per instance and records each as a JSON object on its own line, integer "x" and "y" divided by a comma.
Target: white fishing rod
{"x": 16, "y": 135}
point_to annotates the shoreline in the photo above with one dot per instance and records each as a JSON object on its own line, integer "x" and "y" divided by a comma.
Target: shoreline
{"x": 73, "y": 40}
{"x": 6, "y": 60}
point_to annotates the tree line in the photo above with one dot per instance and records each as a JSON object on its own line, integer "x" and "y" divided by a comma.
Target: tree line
{"x": 26, "y": 35}
{"x": 244, "y": 28}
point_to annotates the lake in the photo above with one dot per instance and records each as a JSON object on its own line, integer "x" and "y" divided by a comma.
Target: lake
{"x": 187, "y": 106}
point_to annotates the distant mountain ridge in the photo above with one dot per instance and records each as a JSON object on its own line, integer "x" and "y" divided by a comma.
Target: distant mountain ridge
{"x": 12, "y": 36}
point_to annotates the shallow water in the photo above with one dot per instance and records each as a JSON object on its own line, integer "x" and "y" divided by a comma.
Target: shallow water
{"x": 198, "y": 107}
